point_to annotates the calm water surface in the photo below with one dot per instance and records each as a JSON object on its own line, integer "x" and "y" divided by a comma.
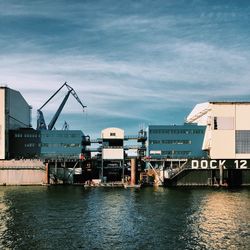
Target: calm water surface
{"x": 71, "y": 217}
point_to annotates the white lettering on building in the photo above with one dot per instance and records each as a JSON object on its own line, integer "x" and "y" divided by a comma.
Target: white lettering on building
{"x": 215, "y": 164}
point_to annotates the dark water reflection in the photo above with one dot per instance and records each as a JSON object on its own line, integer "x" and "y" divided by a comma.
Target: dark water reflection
{"x": 102, "y": 218}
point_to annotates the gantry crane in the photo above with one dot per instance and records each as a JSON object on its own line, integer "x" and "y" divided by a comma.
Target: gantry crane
{"x": 41, "y": 121}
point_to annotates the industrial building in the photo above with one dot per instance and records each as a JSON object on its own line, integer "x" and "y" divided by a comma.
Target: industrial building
{"x": 211, "y": 148}
{"x": 15, "y": 113}
{"x": 24, "y": 143}
{"x": 112, "y": 154}
{"x": 62, "y": 150}
{"x": 61, "y": 144}
{"x": 175, "y": 141}
{"x": 46, "y": 143}
{"x": 227, "y": 134}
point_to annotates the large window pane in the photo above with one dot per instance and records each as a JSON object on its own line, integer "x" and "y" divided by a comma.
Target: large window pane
{"x": 243, "y": 141}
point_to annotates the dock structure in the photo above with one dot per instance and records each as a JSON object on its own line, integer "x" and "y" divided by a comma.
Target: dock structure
{"x": 212, "y": 148}
{"x": 200, "y": 172}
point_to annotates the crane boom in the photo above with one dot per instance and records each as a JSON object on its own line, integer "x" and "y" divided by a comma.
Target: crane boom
{"x": 58, "y": 112}
{"x": 41, "y": 121}
{"x": 53, "y": 95}
{"x": 72, "y": 91}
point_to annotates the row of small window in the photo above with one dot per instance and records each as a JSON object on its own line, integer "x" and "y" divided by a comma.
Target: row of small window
{"x": 61, "y": 145}
{"x": 19, "y": 135}
{"x": 62, "y": 135}
{"x": 171, "y": 153}
{"x": 30, "y": 145}
{"x": 170, "y": 142}
{"x": 176, "y": 131}
{"x": 53, "y": 145}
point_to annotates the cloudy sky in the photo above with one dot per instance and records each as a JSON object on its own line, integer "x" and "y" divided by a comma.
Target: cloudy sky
{"x": 133, "y": 63}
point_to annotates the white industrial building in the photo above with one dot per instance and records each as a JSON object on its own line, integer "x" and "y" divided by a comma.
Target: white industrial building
{"x": 15, "y": 113}
{"x": 112, "y": 154}
{"x": 113, "y": 144}
{"x": 227, "y": 134}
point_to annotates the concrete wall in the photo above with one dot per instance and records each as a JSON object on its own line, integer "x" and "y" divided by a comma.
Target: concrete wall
{"x": 22, "y": 177}
{"x": 23, "y": 172}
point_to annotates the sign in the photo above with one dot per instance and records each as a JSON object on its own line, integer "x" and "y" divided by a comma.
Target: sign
{"x": 216, "y": 164}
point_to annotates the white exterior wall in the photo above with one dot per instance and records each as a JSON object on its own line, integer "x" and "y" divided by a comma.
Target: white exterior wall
{"x": 2, "y": 123}
{"x": 112, "y": 133}
{"x": 222, "y": 144}
{"x": 222, "y": 140}
{"x": 113, "y": 154}
{"x": 242, "y": 121}
{"x": 231, "y": 116}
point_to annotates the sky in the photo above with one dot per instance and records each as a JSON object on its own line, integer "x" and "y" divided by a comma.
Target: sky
{"x": 132, "y": 63}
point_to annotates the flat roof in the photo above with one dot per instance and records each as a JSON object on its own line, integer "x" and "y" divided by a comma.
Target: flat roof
{"x": 229, "y": 102}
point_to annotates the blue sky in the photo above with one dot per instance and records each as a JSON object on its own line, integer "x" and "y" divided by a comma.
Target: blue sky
{"x": 132, "y": 63}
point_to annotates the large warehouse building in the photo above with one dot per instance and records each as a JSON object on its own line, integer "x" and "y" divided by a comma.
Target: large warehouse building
{"x": 15, "y": 113}
{"x": 227, "y": 134}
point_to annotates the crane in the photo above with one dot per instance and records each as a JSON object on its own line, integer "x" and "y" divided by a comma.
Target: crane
{"x": 41, "y": 121}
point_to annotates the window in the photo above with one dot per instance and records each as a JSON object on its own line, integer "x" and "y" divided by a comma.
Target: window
{"x": 223, "y": 123}
{"x": 112, "y": 134}
{"x": 242, "y": 141}
{"x": 176, "y": 153}
{"x": 215, "y": 123}
{"x": 170, "y": 142}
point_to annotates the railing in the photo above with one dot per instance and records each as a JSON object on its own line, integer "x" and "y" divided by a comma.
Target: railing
{"x": 98, "y": 140}
{"x": 174, "y": 172}
{"x": 135, "y": 137}
{"x": 112, "y": 147}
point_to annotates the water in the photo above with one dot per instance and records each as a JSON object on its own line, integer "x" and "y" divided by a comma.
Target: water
{"x": 71, "y": 217}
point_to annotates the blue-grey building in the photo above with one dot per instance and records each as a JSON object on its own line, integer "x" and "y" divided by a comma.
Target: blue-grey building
{"x": 61, "y": 144}
{"x": 175, "y": 141}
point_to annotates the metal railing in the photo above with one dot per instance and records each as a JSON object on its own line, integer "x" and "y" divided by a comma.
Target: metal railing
{"x": 174, "y": 172}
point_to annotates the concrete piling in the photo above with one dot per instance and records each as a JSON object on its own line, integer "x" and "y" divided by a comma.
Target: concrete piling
{"x": 47, "y": 173}
{"x": 133, "y": 171}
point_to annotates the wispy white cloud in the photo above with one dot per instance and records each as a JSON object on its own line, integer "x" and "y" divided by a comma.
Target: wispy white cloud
{"x": 125, "y": 64}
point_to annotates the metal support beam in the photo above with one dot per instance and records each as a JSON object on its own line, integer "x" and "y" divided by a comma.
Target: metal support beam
{"x": 221, "y": 175}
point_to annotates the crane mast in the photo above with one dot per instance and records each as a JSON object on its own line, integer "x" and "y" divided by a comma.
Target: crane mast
{"x": 41, "y": 124}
